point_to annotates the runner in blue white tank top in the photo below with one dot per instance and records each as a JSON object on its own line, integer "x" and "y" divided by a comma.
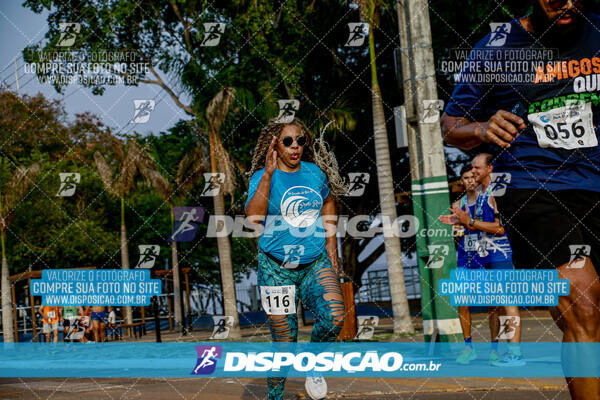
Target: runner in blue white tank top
{"x": 497, "y": 246}
{"x": 499, "y": 256}
{"x": 542, "y": 123}
{"x": 468, "y": 255}
{"x": 297, "y": 251}
{"x": 481, "y": 246}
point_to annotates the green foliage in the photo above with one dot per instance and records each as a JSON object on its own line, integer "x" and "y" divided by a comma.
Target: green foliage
{"x": 270, "y": 50}
{"x": 63, "y": 232}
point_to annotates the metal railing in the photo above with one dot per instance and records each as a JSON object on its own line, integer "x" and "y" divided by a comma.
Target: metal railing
{"x": 376, "y": 286}
{"x": 207, "y": 299}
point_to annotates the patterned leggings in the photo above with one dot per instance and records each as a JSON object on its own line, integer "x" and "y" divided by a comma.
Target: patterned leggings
{"x": 319, "y": 291}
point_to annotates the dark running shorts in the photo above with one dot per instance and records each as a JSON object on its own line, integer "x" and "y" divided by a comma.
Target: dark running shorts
{"x": 548, "y": 229}
{"x": 99, "y": 316}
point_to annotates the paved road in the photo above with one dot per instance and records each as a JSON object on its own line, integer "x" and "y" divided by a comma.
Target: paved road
{"x": 537, "y": 326}
{"x": 254, "y": 389}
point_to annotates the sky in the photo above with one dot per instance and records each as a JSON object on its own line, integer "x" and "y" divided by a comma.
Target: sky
{"x": 20, "y": 27}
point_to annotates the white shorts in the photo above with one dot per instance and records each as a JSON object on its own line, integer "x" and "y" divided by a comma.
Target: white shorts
{"x": 46, "y": 328}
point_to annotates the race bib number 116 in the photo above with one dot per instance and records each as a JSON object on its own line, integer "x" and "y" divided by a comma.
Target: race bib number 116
{"x": 569, "y": 127}
{"x": 278, "y": 300}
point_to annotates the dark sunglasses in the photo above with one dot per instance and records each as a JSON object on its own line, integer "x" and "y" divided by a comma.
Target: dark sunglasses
{"x": 558, "y": 4}
{"x": 288, "y": 141}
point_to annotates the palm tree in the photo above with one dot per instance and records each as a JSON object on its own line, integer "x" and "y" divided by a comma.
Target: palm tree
{"x": 189, "y": 171}
{"x": 12, "y": 191}
{"x": 220, "y": 161}
{"x": 402, "y": 320}
{"x": 128, "y": 166}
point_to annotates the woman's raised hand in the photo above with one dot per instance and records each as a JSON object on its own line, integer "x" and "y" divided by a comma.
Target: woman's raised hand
{"x": 271, "y": 161}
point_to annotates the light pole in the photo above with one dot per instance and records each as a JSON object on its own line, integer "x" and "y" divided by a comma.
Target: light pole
{"x": 430, "y": 194}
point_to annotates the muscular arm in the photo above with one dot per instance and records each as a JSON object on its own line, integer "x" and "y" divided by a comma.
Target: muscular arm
{"x": 460, "y": 132}
{"x": 495, "y": 227}
{"x": 489, "y": 227}
{"x": 328, "y": 215}
{"x": 464, "y": 218}
{"x": 501, "y": 129}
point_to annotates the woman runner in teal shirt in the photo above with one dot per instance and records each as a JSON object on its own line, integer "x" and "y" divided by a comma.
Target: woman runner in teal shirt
{"x": 297, "y": 252}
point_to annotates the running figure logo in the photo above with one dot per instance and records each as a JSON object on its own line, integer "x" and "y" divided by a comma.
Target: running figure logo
{"x": 499, "y": 183}
{"x": 222, "y": 326}
{"x": 207, "y": 359}
{"x": 578, "y": 254}
{"x": 358, "y": 33}
{"x": 68, "y": 33}
{"x": 358, "y": 183}
{"x": 77, "y": 329}
{"x": 366, "y": 327}
{"x": 431, "y": 111}
{"x": 186, "y": 220}
{"x": 212, "y": 34}
{"x": 508, "y": 326}
{"x": 287, "y": 110}
{"x": 148, "y": 255}
{"x": 500, "y": 31}
{"x": 437, "y": 254}
{"x": 142, "y": 110}
{"x": 68, "y": 183}
{"x": 212, "y": 183}
{"x": 292, "y": 252}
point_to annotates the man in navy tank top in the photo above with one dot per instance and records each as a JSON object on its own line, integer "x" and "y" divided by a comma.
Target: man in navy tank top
{"x": 541, "y": 123}
{"x": 483, "y": 244}
{"x": 499, "y": 254}
{"x": 469, "y": 254}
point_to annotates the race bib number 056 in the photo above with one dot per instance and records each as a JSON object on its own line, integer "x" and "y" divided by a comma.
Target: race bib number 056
{"x": 278, "y": 300}
{"x": 569, "y": 127}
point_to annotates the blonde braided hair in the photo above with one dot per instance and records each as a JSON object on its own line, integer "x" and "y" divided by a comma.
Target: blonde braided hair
{"x": 315, "y": 151}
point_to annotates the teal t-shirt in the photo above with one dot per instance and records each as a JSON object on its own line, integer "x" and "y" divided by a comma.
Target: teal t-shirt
{"x": 293, "y": 230}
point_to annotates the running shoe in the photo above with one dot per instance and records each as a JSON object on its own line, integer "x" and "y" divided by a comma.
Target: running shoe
{"x": 316, "y": 387}
{"x": 466, "y": 356}
{"x": 494, "y": 356}
{"x": 509, "y": 359}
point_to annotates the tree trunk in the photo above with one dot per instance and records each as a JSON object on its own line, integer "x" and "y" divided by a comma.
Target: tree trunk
{"x": 225, "y": 262}
{"x": 227, "y": 281}
{"x": 7, "y": 314}
{"x": 176, "y": 288}
{"x": 402, "y": 320}
{"x": 125, "y": 257}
